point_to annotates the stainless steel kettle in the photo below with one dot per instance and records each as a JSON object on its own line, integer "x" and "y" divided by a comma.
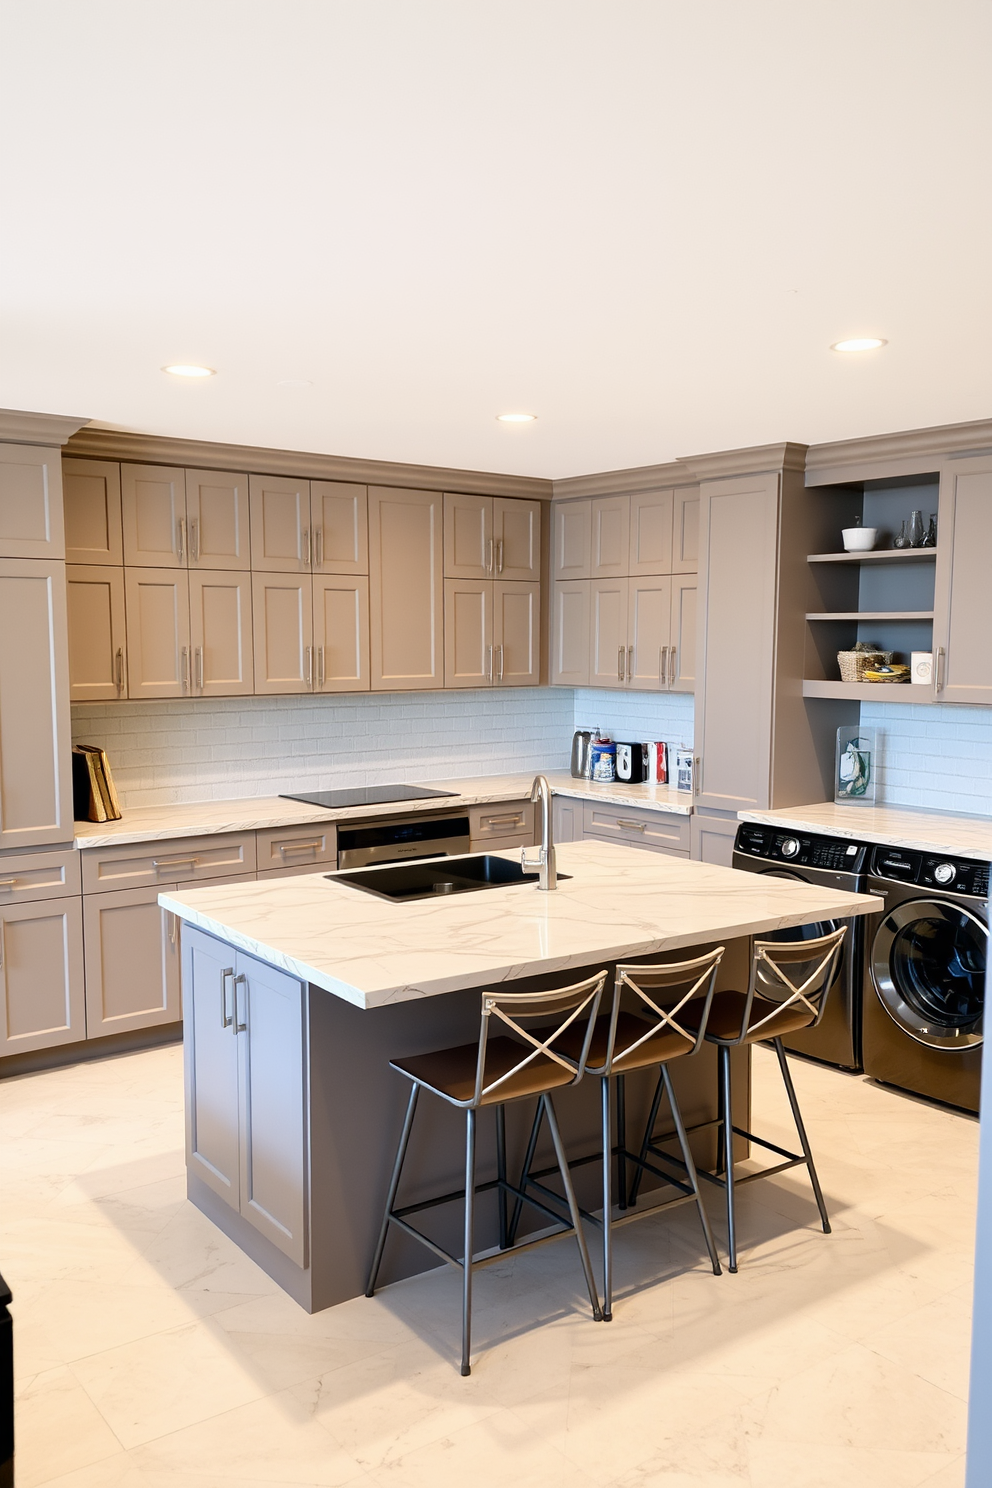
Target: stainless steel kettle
{"x": 581, "y": 741}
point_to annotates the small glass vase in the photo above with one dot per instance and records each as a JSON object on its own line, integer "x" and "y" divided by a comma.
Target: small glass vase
{"x": 902, "y": 541}
{"x": 930, "y": 541}
{"x": 917, "y": 531}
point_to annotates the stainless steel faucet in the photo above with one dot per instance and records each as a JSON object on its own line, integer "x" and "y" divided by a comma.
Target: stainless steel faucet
{"x": 546, "y": 866}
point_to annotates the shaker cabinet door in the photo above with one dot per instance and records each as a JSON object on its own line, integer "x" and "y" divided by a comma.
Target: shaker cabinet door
{"x": 158, "y": 654}
{"x": 97, "y": 637}
{"x": 468, "y": 633}
{"x": 31, "y": 524}
{"x": 649, "y": 613}
{"x": 682, "y": 657}
{"x": 210, "y": 1057}
{"x": 610, "y": 537}
{"x": 963, "y": 600}
{"x": 571, "y": 525}
{"x": 469, "y": 546}
{"x": 685, "y": 530}
{"x": 517, "y": 539}
{"x": 651, "y": 532}
{"x": 282, "y": 624}
{"x": 608, "y": 633}
{"x": 280, "y": 524}
{"x": 153, "y": 503}
{"x": 220, "y": 634}
{"x": 217, "y": 519}
{"x": 341, "y": 632}
{"x": 91, "y": 490}
{"x": 570, "y": 633}
{"x": 516, "y": 634}
{"x": 340, "y": 517}
{"x": 41, "y": 975}
{"x": 132, "y": 962}
{"x": 406, "y": 589}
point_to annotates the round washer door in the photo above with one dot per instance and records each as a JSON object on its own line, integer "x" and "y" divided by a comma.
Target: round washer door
{"x": 928, "y": 967}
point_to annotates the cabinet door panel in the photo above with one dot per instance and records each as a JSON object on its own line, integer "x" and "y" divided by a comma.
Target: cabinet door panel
{"x": 97, "y": 637}
{"x": 132, "y": 962}
{"x": 158, "y": 659}
{"x": 41, "y": 975}
{"x": 651, "y": 532}
{"x": 341, "y": 632}
{"x": 274, "y": 1159}
{"x": 570, "y": 633}
{"x": 210, "y": 1056}
{"x": 682, "y": 660}
{"x": 608, "y": 633}
{"x": 963, "y": 598}
{"x": 217, "y": 517}
{"x": 469, "y": 551}
{"x": 340, "y": 516}
{"x": 153, "y": 503}
{"x": 610, "y": 537}
{"x": 25, "y": 877}
{"x": 649, "y": 614}
{"x": 685, "y": 530}
{"x": 31, "y": 523}
{"x": 282, "y": 625}
{"x": 713, "y": 839}
{"x": 280, "y": 524}
{"x": 517, "y": 633}
{"x": 220, "y": 634}
{"x": 572, "y": 526}
{"x": 468, "y": 632}
{"x": 517, "y": 534}
{"x": 35, "y": 747}
{"x": 406, "y": 594}
{"x": 91, "y": 491}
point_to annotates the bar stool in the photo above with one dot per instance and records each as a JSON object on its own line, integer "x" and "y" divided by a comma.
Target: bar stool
{"x": 622, "y": 1043}
{"x": 494, "y": 1072}
{"x": 772, "y": 1006}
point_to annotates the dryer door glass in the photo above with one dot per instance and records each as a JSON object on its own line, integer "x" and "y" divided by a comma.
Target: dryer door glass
{"x": 928, "y": 964}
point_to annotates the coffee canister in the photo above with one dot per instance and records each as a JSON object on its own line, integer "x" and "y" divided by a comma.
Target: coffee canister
{"x": 604, "y": 759}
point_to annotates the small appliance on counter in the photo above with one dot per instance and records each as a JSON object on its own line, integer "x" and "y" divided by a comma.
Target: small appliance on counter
{"x": 603, "y": 755}
{"x": 581, "y": 742}
{"x": 683, "y": 769}
{"x": 631, "y": 763}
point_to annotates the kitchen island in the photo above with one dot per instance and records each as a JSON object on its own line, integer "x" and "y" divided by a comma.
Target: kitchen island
{"x": 297, "y": 993}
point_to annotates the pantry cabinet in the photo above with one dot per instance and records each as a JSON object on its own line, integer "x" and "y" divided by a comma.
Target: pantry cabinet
{"x": 406, "y": 591}
{"x": 93, "y": 527}
{"x": 31, "y": 502}
{"x": 962, "y": 603}
{"x": 97, "y": 633}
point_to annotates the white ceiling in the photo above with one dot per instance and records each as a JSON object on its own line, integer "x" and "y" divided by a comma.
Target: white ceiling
{"x": 643, "y": 220}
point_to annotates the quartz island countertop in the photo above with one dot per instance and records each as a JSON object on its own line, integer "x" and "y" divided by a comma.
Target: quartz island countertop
{"x": 893, "y": 826}
{"x": 619, "y": 902}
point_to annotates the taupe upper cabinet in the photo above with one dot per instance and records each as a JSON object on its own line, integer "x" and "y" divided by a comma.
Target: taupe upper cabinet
{"x": 651, "y": 532}
{"x": 339, "y": 517}
{"x": 406, "y": 595}
{"x": 491, "y": 633}
{"x": 158, "y": 646}
{"x": 682, "y": 635}
{"x": 280, "y": 524}
{"x": 35, "y": 744}
{"x": 97, "y": 635}
{"x": 572, "y": 528}
{"x": 516, "y": 633}
{"x": 92, "y": 495}
{"x": 962, "y": 602}
{"x": 516, "y": 539}
{"x": 282, "y": 616}
{"x": 570, "y": 633}
{"x": 488, "y": 537}
{"x": 217, "y": 520}
{"x": 341, "y": 632}
{"x": 610, "y": 537}
{"x": 220, "y": 634}
{"x": 685, "y": 530}
{"x": 607, "y": 632}
{"x": 649, "y": 613}
{"x": 31, "y": 502}
{"x": 153, "y": 503}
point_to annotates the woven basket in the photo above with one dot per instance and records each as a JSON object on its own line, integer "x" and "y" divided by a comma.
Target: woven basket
{"x": 853, "y": 663}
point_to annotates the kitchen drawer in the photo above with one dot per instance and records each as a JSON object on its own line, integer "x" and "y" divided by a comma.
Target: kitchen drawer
{"x": 295, "y": 847}
{"x": 659, "y": 829}
{"x": 511, "y": 819}
{"x": 181, "y": 859}
{"x": 25, "y": 877}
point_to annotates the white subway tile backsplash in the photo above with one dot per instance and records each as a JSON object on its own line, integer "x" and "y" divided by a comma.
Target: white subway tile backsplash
{"x": 938, "y": 757}
{"x": 637, "y": 715}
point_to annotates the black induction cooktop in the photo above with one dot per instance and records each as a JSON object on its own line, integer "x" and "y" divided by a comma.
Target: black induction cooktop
{"x": 367, "y": 795}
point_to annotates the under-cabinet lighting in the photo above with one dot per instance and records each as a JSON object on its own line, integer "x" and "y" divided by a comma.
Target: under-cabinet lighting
{"x": 859, "y": 343}
{"x": 183, "y": 369}
{"x": 516, "y": 418}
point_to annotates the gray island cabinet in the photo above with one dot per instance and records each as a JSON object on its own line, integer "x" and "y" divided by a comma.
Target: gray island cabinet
{"x": 298, "y": 992}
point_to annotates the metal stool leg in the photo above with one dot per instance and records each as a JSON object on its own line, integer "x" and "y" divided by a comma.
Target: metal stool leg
{"x": 501, "y": 1173}
{"x": 394, "y": 1183}
{"x": 469, "y": 1242}
{"x": 728, "y": 1156}
{"x": 690, "y": 1165}
{"x": 635, "y": 1187}
{"x": 791, "y": 1092}
{"x": 607, "y": 1204}
{"x": 535, "y": 1132}
{"x": 573, "y": 1207}
{"x": 621, "y": 1142}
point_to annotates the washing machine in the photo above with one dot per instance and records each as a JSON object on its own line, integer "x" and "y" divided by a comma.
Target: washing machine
{"x": 923, "y": 1015}
{"x": 836, "y": 863}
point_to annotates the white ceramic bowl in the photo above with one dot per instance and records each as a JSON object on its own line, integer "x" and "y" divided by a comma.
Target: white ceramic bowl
{"x": 859, "y": 539}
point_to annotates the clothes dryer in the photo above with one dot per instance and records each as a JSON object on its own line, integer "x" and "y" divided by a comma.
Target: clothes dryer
{"x": 924, "y": 1013}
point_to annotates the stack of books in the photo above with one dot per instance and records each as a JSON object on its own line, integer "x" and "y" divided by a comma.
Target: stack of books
{"x": 93, "y": 795}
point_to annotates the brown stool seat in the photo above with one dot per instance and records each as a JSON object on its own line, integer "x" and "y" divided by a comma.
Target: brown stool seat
{"x": 728, "y": 1010}
{"x": 665, "y": 1044}
{"x": 451, "y": 1072}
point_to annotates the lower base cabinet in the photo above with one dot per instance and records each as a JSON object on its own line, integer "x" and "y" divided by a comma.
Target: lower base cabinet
{"x": 246, "y": 1088}
{"x": 655, "y": 831}
{"x": 132, "y": 962}
{"x": 41, "y": 975}
{"x": 713, "y": 838}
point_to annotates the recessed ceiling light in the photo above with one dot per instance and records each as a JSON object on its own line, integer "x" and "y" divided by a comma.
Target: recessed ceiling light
{"x": 183, "y": 369}
{"x": 516, "y": 418}
{"x": 859, "y": 343}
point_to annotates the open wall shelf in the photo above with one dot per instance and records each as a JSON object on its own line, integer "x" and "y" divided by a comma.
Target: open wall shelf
{"x": 870, "y": 692}
{"x": 872, "y": 615}
{"x": 886, "y": 555}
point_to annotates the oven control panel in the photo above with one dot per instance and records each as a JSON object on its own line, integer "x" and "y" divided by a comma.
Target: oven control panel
{"x": 932, "y": 871}
{"x": 804, "y": 849}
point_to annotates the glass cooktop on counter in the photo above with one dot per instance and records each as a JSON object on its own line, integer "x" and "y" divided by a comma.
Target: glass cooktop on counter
{"x": 366, "y": 795}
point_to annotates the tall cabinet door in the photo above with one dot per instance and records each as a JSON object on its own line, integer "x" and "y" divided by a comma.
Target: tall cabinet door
{"x": 516, "y": 633}
{"x": 91, "y": 491}
{"x": 31, "y": 523}
{"x": 35, "y": 744}
{"x": 963, "y": 599}
{"x": 41, "y": 975}
{"x": 738, "y": 547}
{"x": 341, "y": 632}
{"x": 132, "y": 962}
{"x": 217, "y": 519}
{"x": 570, "y": 633}
{"x": 339, "y": 515}
{"x": 651, "y": 532}
{"x": 468, "y": 633}
{"x": 406, "y": 594}
{"x": 649, "y": 613}
{"x": 97, "y": 638}
{"x": 158, "y": 652}
{"x": 210, "y": 1056}
{"x": 469, "y": 547}
{"x": 280, "y": 524}
{"x": 220, "y": 634}
{"x": 682, "y": 657}
{"x": 608, "y": 633}
{"x": 517, "y": 539}
{"x": 153, "y": 505}
{"x": 282, "y": 626}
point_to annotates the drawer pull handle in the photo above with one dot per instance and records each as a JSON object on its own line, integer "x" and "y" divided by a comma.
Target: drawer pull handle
{"x": 226, "y": 1018}
{"x": 159, "y": 863}
{"x": 517, "y": 820}
{"x": 285, "y": 847}
{"x": 7, "y": 883}
{"x": 239, "y": 981}
{"x": 635, "y": 826}
{"x": 119, "y": 671}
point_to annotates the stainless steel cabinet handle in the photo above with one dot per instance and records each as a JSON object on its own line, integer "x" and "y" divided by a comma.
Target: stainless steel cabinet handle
{"x": 173, "y": 929}
{"x": 318, "y": 547}
{"x": 320, "y": 667}
{"x": 306, "y": 548}
{"x": 194, "y": 541}
{"x": 489, "y": 663}
{"x": 199, "y": 668}
{"x": 620, "y": 662}
{"x": 315, "y": 845}
{"x": 181, "y": 539}
{"x": 499, "y": 556}
{"x": 671, "y": 667}
{"x": 938, "y": 685}
{"x": 119, "y": 670}
{"x": 630, "y": 661}
{"x": 517, "y": 820}
{"x": 7, "y": 883}
{"x": 500, "y": 678}
{"x": 159, "y": 863}
{"x": 634, "y": 826}
{"x": 309, "y": 660}
{"x": 184, "y": 668}
{"x": 226, "y": 1018}
{"x": 697, "y": 775}
{"x": 240, "y": 981}
{"x": 662, "y": 666}
{"x": 489, "y": 556}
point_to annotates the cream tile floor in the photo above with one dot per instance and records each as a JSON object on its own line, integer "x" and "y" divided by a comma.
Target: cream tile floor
{"x": 152, "y": 1354}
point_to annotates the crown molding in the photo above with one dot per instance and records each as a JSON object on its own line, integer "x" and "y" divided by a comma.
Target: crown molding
{"x": 908, "y": 452}
{"x": 18, "y": 427}
{"x": 200, "y": 454}
{"x": 751, "y": 461}
{"x": 610, "y": 482}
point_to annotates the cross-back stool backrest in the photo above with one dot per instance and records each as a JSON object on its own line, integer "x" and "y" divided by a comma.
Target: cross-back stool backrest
{"x": 665, "y": 991}
{"x": 772, "y": 962}
{"x": 574, "y": 1006}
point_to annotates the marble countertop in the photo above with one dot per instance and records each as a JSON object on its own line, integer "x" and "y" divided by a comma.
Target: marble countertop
{"x": 894, "y": 826}
{"x": 620, "y": 901}
{"x": 193, "y": 819}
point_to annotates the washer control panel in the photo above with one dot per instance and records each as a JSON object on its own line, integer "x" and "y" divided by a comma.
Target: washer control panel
{"x": 801, "y": 848}
{"x": 932, "y": 871}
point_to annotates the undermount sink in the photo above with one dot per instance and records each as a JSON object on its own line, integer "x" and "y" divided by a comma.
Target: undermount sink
{"x": 429, "y": 880}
